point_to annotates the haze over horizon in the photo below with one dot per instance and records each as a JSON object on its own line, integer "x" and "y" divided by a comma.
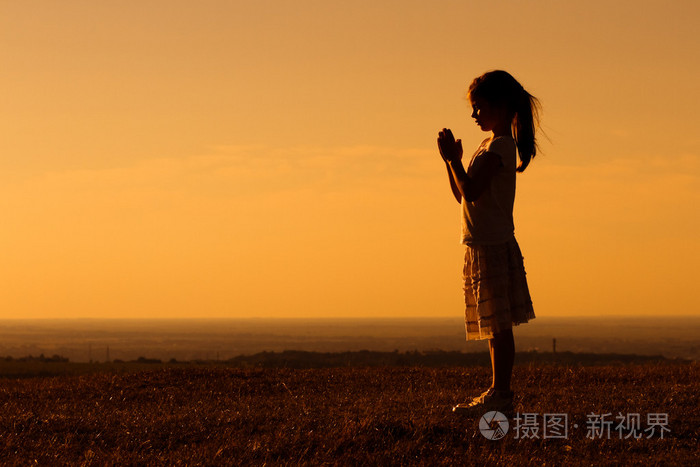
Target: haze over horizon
{"x": 191, "y": 339}
{"x": 278, "y": 159}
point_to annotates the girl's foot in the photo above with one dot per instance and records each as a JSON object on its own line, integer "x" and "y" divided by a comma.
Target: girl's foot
{"x": 493, "y": 399}
{"x": 481, "y": 396}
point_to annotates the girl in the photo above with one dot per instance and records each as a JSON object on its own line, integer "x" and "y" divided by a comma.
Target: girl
{"x": 495, "y": 288}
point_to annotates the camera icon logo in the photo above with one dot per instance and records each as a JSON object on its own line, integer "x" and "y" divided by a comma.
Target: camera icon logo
{"x": 493, "y": 425}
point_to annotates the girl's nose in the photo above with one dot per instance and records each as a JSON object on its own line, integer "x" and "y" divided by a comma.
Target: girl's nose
{"x": 474, "y": 113}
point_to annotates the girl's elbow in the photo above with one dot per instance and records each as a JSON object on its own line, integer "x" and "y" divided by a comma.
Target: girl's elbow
{"x": 470, "y": 196}
{"x": 471, "y": 193}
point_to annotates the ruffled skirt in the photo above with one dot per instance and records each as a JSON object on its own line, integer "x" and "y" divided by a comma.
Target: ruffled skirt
{"x": 495, "y": 289}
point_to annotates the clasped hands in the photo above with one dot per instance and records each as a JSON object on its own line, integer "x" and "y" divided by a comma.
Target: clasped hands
{"x": 450, "y": 150}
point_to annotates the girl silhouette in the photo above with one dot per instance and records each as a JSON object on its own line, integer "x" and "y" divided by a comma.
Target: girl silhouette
{"x": 495, "y": 289}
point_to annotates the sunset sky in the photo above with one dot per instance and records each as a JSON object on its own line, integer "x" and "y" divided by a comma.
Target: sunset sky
{"x": 172, "y": 159}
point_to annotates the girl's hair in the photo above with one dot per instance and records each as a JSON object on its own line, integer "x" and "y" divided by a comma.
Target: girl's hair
{"x": 499, "y": 88}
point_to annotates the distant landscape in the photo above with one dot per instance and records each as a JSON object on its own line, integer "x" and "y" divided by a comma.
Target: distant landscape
{"x": 223, "y": 339}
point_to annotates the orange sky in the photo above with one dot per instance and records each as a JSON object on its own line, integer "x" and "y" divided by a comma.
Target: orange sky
{"x": 277, "y": 158}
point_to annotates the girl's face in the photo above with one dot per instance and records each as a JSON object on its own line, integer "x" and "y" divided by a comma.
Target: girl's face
{"x": 487, "y": 116}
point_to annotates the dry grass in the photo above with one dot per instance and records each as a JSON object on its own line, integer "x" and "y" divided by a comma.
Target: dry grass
{"x": 349, "y": 416}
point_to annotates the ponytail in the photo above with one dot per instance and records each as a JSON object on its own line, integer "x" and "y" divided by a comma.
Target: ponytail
{"x": 525, "y": 123}
{"x": 500, "y": 88}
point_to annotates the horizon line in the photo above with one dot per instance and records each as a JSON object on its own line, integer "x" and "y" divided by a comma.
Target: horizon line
{"x": 337, "y": 318}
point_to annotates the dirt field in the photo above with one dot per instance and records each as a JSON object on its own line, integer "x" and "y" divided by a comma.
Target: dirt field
{"x": 350, "y": 416}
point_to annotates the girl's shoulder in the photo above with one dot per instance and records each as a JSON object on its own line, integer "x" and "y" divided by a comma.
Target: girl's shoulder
{"x": 501, "y": 144}
{"x": 501, "y": 139}
{"x": 506, "y": 149}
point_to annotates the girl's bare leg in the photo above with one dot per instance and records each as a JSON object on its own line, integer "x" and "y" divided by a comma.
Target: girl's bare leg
{"x": 502, "y": 350}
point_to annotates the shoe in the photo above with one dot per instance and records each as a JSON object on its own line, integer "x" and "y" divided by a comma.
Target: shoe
{"x": 501, "y": 401}
{"x": 488, "y": 392}
{"x": 481, "y": 396}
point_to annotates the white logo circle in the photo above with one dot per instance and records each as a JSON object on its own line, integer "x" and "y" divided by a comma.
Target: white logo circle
{"x": 493, "y": 425}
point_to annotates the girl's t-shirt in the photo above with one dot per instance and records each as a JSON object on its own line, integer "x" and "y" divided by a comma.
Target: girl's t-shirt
{"x": 489, "y": 219}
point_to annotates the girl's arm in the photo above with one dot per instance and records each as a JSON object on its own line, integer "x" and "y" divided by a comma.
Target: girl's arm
{"x": 453, "y": 184}
{"x": 456, "y": 152}
{"x": 470, "y": 187}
